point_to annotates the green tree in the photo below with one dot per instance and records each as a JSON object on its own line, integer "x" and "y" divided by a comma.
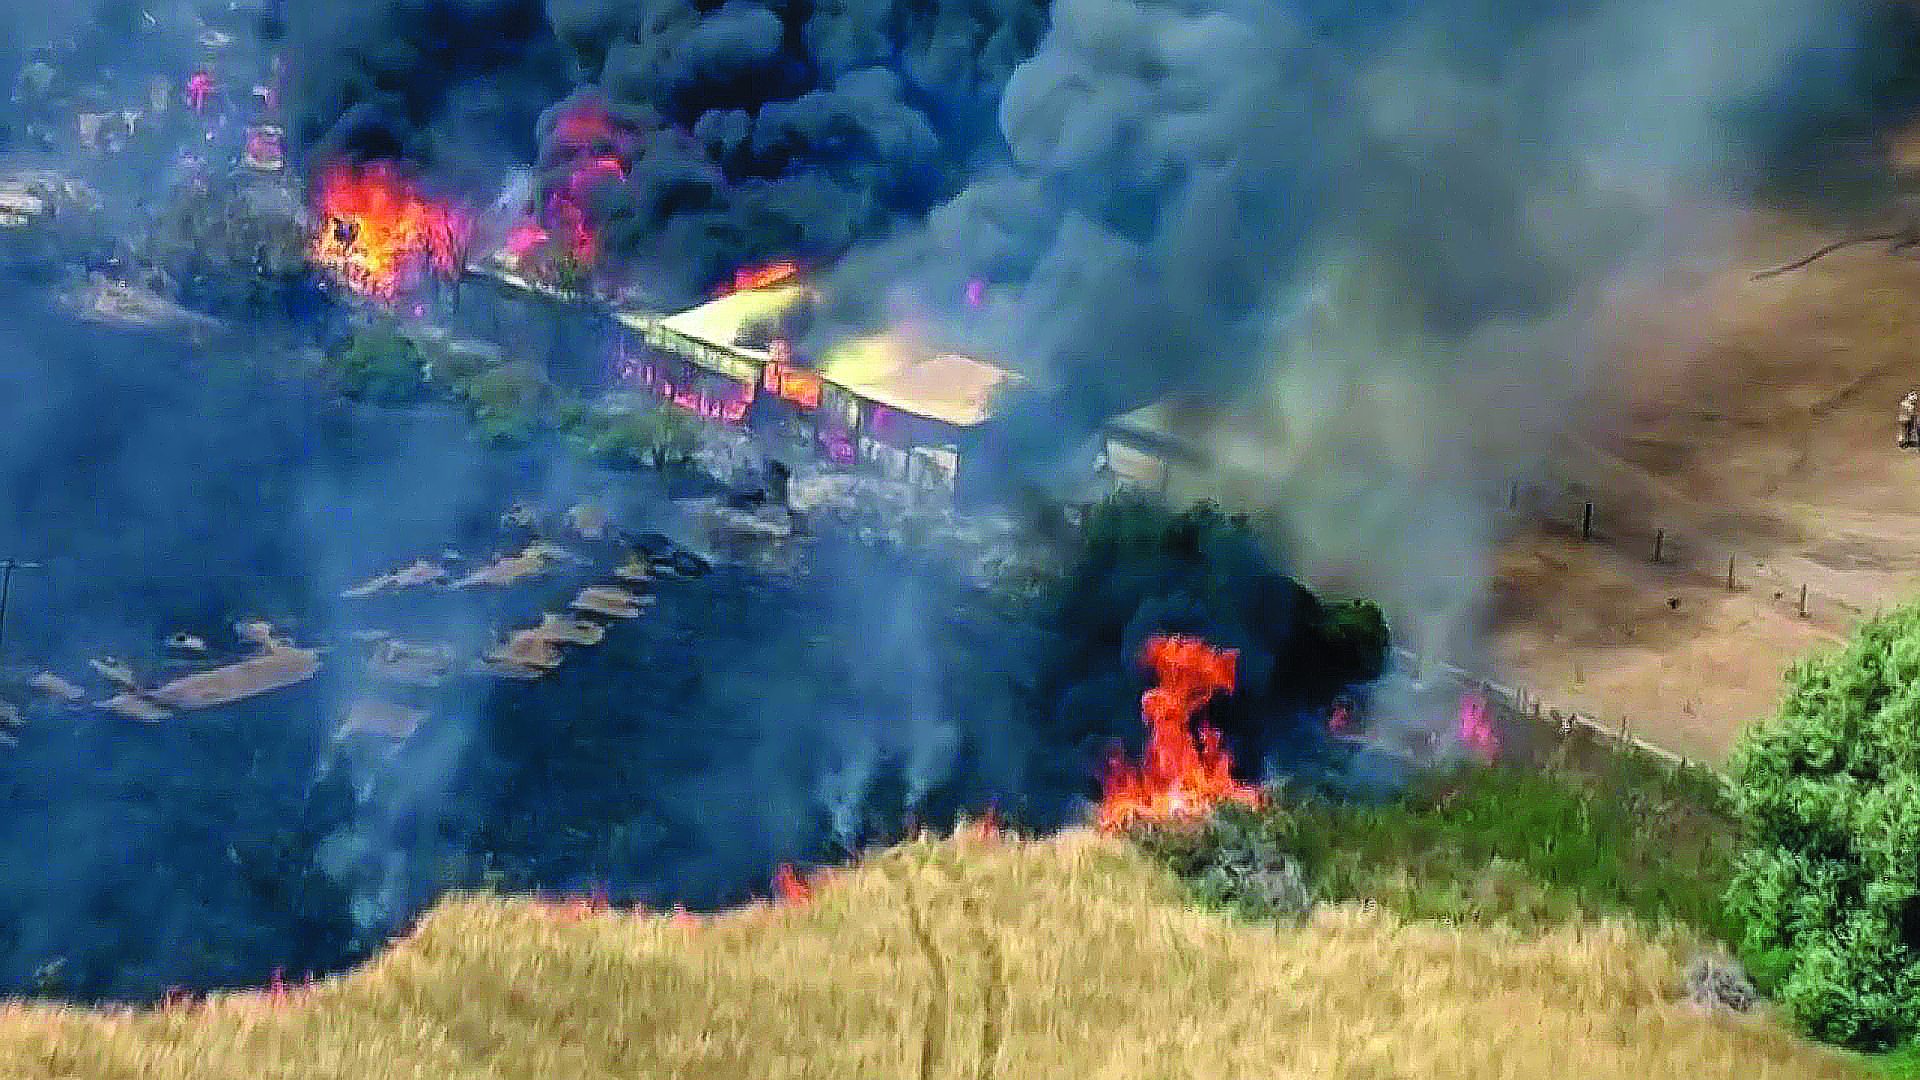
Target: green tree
{"x": 381, "y": 364}
{"x": 229, "y": 250}
{"x": 660, "y": 436}
{"x": 1827, "y": 885}
{"x": 559, "y": 269}
{"x": 508, "y": 401}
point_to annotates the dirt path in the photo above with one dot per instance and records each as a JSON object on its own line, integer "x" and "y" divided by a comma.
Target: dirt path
{"x": 1750, "y": 418}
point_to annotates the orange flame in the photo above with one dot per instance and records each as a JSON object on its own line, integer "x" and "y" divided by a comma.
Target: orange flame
{"x": 199, "y": 85}
{"x": 1476, "y": 728}
{"x": 575, "y": 908}
{"x": 379, "y": 232}
{"x": 791, "y": 887}
{"x": 748, "y": 278}
{"x": 989, "y": 825}
{"x": 1178, "y": 778}
{"x": 585, "y": 126}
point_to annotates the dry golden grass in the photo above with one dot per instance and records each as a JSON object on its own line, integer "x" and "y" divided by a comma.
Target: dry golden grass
{"x": 966, "y": 958}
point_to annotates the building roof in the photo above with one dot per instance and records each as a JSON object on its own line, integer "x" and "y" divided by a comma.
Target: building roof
{"x": 718, "y": 323}
{"x": 947, "y": 387}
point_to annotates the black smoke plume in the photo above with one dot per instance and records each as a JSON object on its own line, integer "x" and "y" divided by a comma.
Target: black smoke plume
{"x": 785, "y": 129}
{"x": 448, "y": 87}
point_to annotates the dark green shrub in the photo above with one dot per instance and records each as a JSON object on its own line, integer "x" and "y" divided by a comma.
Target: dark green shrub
{"x": 509, "y": 401}
{"x": 380, "y": 364}
{"x": 1827, "y": 885}
{"x": 1480, "y": 845}
{"x": 658, "y": 436}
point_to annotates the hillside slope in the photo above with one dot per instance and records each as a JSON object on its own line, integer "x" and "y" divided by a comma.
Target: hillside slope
{"x": 972, "y": 957}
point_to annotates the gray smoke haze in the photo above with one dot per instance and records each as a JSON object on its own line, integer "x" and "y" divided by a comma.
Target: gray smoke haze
{"x": 1362, "y": 246}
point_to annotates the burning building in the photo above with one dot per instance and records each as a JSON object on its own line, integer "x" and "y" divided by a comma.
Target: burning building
{"x": 381, "y": 234}
{"x": 910, "y": 413}
{"x": 701, "y": 359}
{"x": 1144, "y": 450}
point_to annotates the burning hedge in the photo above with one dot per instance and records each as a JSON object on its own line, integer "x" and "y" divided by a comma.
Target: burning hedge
{"x": 1184, "y": 772}
{"x": 1142, "y": 577}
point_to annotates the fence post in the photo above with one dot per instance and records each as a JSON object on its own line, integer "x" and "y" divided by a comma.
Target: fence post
{"x": 1513, "y": 496}
{"x": 1659, "y": 541}
{"x": 1586, "y": 523}
{"x": 1729, "y": 573}
{"x": 1803, "y": 600}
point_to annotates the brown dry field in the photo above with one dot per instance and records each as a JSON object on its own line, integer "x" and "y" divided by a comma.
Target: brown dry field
{"x": 975, "y": 957}
{"x": 1743, "y": 416}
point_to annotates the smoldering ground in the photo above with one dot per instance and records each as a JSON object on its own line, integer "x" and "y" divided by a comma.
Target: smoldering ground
{"x": 167, "y": 486}
{"x": 1183, "y": 185}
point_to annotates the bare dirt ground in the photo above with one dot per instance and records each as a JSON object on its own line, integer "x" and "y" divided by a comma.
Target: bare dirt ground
{"x": 1747, "y": 418}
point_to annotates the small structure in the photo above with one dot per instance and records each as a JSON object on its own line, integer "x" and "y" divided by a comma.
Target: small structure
{"x": 266, "y": 148}
{"x": 1145, "y": 450}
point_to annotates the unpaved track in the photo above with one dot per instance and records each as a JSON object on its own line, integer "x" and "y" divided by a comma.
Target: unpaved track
{"x": 1742, "y": 416}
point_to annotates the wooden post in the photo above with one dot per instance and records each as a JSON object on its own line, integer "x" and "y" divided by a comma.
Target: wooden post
{"x": 1803, "y": 601}
{"x": 1729, "y": 573}
{"x": 1659, "y": 541}
{"x": 1586, "y": 523}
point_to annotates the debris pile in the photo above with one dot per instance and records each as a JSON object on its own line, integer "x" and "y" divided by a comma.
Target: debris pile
{"x": 536, "y": 560}
{"x": 398, "y": 661}
{"x": 421, "y": 572}
{"x": 380, "y": 719}
{"x": 609, "y": 602}
{"x": 530, "y": 654}
{"x": 278, "y": 664}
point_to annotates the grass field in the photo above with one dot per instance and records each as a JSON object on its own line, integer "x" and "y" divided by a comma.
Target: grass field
{"x": 970, "y": 957}
{"x": 1571, "y": 839}
{"x": 1514, "y": 846}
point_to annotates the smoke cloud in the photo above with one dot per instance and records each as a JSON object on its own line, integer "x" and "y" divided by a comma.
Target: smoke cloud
{"x": 450, "y": 87}
{"x": 1361, "y": 247}
{"x": 756, "y": 132}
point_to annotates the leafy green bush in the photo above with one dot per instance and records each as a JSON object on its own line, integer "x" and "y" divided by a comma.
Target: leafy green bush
{"x": 659, "y": 436}
{"x": 1828, "y": 880}
{"x": 508, "y": 401}
{"x": 381, "y": 364}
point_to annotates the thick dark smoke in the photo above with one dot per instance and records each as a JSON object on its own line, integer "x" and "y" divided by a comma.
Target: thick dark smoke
{"x": 450, "y": 87}
{"x": 785, "y": 129}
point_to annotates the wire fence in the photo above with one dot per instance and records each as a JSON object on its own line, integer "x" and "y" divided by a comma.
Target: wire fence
{"x": 1531, "y": 727}
{"x": 1683, "y": 552}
